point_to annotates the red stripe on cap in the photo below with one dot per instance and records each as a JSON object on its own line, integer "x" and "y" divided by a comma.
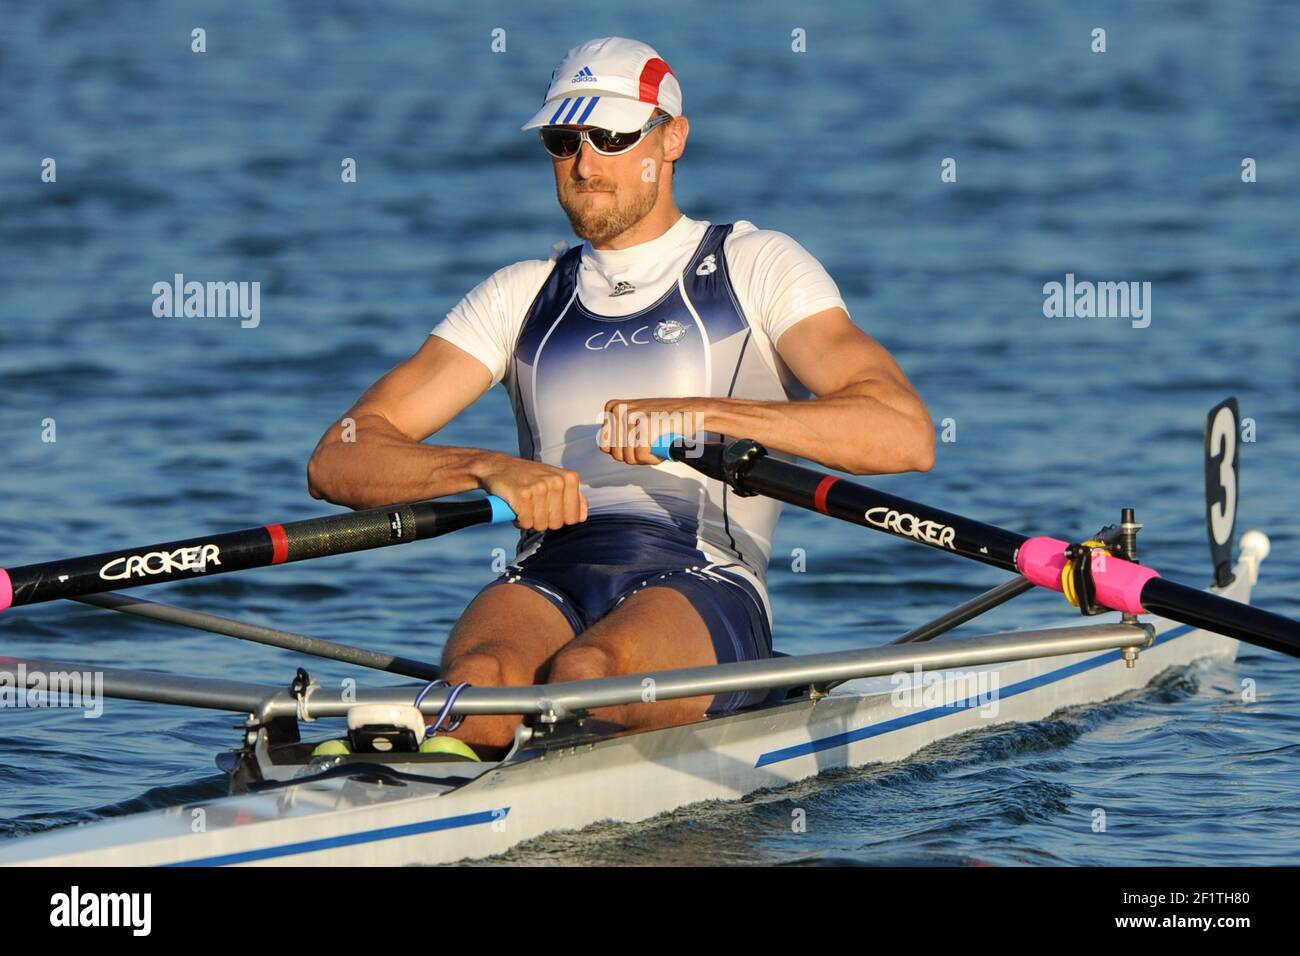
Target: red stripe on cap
{"x": 280, "y": 541}
{"x": 652, "y": 74}
{"x": 823, "y": 489}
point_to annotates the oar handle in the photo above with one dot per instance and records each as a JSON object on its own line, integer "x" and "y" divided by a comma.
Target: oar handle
{"x": 663, "y": 446}
{"x": 501, "y": 512}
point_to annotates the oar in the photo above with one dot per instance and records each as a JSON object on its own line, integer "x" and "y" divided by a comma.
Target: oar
{"x": 241, "y": 550}
{"x": 1122, "y": 585}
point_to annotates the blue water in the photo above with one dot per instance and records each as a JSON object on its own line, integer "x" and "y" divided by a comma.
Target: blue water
{"x": 1118, "y": 166}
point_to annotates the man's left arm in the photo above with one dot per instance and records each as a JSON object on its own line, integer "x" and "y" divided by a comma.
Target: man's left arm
{"x": 866, "y": 419}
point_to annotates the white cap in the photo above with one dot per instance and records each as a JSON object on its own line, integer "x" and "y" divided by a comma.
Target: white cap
{"x": 614, "y": 83}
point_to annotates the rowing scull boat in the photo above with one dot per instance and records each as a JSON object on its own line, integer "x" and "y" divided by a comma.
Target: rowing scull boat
{"x": 842, "y": 709}
{"x": 397, "y": 812}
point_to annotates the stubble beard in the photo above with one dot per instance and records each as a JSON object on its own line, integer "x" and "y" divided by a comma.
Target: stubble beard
{"x": 603, "y": 220}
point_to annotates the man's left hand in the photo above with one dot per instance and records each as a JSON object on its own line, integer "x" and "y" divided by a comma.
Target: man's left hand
{"x": 632, "y": 426}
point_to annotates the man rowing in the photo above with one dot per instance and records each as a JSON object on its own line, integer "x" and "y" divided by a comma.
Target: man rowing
{"x": 656, "y": 323}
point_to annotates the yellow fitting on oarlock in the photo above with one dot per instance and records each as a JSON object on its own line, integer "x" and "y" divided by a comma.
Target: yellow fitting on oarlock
{"x": 1067, "y": 572}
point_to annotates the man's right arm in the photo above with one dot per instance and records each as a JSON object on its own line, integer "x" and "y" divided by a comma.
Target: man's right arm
{"x": 375, "y": 454}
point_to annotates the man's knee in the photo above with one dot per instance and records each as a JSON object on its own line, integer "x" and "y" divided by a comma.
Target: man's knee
{"x": 482, "y": 668}
{"x": 581, "y": 662}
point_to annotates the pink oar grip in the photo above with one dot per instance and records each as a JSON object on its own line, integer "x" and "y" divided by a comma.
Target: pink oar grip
{"x": 1119, "y": 582}
{"x": 1041, "y": 560}
{"x": 6, "y": 590}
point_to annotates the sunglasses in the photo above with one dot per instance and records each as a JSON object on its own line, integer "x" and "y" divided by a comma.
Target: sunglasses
{"x": 563, "y": 142}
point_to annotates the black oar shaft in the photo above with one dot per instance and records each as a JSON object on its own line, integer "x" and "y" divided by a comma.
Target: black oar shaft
{"x": 241, "y": 550}
{"x": 745, "y": 466}
{"x": 875, "y": 509}
{"x": 1212, "y": 613}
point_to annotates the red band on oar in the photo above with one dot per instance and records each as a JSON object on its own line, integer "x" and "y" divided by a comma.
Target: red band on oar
{"x": 6, "y": 590}
{"x": 280, "y": 541}
{"x": 823, "y": 488}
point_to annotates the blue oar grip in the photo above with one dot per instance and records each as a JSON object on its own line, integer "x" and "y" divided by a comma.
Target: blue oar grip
{"x": 662, "y": 447}
{"x": 501, "y": 512}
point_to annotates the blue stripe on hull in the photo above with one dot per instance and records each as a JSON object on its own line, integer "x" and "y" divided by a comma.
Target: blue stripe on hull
{"x": 934, "y": 713}
{"x": 351, "y": 839}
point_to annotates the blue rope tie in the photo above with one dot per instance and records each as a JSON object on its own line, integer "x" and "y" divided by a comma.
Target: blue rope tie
{"x": 433, "y": 728}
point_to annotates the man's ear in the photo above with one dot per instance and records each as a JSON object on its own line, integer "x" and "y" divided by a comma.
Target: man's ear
{"x": 675, "y": 136}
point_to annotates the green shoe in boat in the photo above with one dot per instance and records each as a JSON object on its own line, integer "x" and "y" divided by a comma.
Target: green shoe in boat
{"x": 448, "y": 745}
{"x": 332, "y": 748}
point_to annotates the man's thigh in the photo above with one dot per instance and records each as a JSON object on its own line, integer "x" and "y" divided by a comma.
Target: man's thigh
{"x": 656, "y": 629}
{"x": 510, "y": 624}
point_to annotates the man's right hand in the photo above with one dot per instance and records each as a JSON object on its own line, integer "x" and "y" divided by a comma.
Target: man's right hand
{"x": 543, "y": 497}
